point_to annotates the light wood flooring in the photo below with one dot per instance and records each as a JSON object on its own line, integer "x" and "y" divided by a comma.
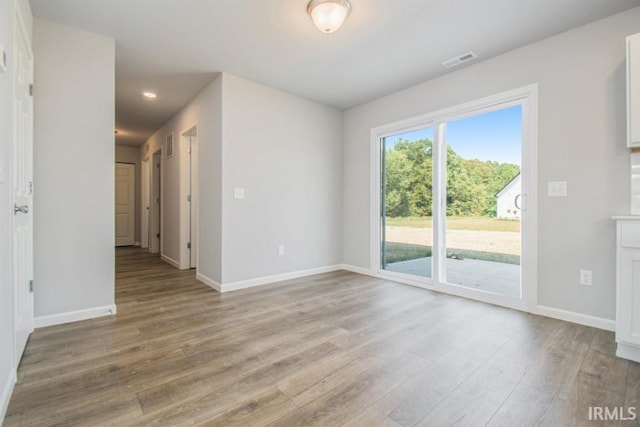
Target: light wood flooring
{"x": 329, "y": 350}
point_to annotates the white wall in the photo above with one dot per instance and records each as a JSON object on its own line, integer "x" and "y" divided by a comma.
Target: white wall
{"x": 125, "y": 154}
{"x": 7, "y": 366}
{"x": 286, "y": 152}
{"x": 210, "y": 184}
{"x": 205, "y": 112}
{"x": 73, "y": 169}
{"x": 581, "y": 140}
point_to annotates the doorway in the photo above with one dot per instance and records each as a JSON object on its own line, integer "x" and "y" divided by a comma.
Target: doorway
{"x": 125, "y": 204}
{"x": 190, "y": 143}
{"x": 455, "y": 200}
{"x": 144, "y": 220}
{"x": 155, "y": 205}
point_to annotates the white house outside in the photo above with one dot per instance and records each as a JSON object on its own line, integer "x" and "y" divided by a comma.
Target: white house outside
{"x": 508, "y": 199}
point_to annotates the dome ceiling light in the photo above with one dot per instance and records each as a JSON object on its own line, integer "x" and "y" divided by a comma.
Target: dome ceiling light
{"x": 328, "y": 15}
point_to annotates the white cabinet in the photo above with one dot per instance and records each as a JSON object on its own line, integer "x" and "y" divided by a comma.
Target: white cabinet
{"x": 628, "y": 287}
{"x": 633, "y": 90}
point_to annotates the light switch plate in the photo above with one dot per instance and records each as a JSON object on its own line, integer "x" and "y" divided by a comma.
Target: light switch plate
{"x": 238, "y": 193}
{"x": 557, "y": 189}
{"x": 3, "y": 59}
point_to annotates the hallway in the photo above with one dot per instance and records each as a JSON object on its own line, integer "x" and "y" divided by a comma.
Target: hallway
{"x": 332, "y": 349}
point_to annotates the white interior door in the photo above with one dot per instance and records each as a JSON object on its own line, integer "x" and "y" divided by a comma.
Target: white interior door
{"x": 144, "y": 223}
{"x": 22, "y": 179}
{"x": 125, "y": 203}
{"x": 193, "y": 198}
{"x": 154, "y": 204}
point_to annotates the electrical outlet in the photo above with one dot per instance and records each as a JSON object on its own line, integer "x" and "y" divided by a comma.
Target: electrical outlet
{"x": 586, "y": 277}
{"x": 281, "y": 250}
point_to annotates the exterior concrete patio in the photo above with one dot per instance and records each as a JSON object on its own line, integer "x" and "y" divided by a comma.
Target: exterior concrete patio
{"x": 494, "y": 277}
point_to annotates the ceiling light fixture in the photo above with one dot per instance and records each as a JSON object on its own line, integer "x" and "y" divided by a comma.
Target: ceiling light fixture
{"x": 149, "y": 95}
{"x": 328, "y": 15}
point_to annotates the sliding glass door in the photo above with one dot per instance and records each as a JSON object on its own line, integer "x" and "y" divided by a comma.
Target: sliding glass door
{"x": 483, "y": 192}
{"x": 451, "y": 200}
{"x": 407, "y": 208}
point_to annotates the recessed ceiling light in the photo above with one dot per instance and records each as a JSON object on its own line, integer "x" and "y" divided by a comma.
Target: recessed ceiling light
{"x": 150, "y": 95}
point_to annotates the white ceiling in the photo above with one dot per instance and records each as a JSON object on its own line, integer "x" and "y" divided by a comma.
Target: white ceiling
{"x": 177, "y": 46}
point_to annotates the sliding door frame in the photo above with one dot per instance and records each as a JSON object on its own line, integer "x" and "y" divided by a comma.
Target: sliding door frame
{"x": 527, "y": 98}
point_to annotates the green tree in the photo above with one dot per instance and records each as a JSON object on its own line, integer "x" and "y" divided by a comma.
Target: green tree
{"x": 398, "y": 171}
{"x": 471, "y": 183}
{"x": 420, "y": 178}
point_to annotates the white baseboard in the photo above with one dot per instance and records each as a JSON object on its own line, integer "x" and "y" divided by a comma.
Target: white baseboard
{"x": 555, "y": 313}
{"x": 171, "y": 261}
{"x": 209, "y": 282}
{"x": 243, "y": 284}
{"x": 573, "y": 317}
{"x": 74, "y": 316}
{"x": 359, "y": 270}
{"x": 7, "y": 391}
{"x": 629, "y": 352}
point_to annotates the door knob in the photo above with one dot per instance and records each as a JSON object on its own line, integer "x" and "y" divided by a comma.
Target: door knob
{"x": 22, "y": 209}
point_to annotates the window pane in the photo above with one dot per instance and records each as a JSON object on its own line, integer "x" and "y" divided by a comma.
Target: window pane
{"x": 483, "y": 201}
{"x": 407, "y": 175}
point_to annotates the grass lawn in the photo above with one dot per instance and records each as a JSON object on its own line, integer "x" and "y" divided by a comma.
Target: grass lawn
{"x": 458, "y": 223}
{"x": 396, "y": 252}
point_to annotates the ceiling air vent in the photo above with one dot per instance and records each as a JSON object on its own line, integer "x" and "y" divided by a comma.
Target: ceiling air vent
{"x": 461, "y": 59}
